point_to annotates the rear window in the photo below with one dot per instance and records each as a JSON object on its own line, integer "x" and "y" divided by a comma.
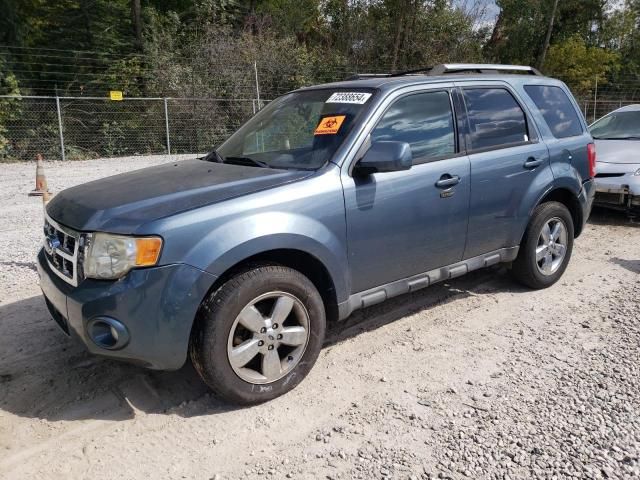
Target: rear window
{"x": 495, "y": 118}
{"x": 557, "y": 110}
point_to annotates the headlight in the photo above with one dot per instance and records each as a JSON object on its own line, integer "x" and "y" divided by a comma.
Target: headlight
{"x": 112, "y": 256}
{"x": 637, "y": 172}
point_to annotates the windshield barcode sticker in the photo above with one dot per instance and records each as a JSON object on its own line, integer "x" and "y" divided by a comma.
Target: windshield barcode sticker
{"x": 349, "y": 97}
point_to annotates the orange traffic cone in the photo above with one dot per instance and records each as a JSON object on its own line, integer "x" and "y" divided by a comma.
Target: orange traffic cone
{"x": 41, "y": 180}
{"x": 46, "y": 197}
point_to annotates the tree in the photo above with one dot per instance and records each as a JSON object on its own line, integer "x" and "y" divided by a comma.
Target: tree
{"x": 579, "y": 65}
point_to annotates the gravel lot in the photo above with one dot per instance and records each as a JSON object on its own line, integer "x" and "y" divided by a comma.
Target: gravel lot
{"x": 475, "y": 378}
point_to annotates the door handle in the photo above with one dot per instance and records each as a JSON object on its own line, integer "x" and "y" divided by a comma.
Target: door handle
{"x": 533, "y": 162}
{"x": 447, "y": 181}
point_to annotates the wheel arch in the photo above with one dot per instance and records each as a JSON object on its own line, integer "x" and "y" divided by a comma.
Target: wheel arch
{"x": 570, "y": 200}
{"x": 302, "y": 261}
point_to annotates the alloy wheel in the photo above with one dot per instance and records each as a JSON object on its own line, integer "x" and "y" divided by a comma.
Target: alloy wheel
{"x": 552, "y": 246}
{"x": 268, "y": 338}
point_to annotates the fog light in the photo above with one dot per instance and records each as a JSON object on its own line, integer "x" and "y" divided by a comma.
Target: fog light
{"x": 108, "y": 333}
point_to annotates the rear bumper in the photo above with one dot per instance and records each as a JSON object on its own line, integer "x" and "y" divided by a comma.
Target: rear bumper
{"x": 156, "y": 305}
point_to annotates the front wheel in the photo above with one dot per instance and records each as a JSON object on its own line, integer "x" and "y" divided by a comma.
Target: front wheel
{"x": 259, "y": 334}
{"x": 546, "y": 247}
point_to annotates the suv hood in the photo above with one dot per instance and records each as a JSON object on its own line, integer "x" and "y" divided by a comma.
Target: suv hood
{"x": 122, "y": 203}
{"x": 618, "y": 151}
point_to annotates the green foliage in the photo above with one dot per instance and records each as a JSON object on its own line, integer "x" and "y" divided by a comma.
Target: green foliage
{"x": 212, "y": 48}
{"x": 579, "y": 65}
{"x": 9, "y": 108}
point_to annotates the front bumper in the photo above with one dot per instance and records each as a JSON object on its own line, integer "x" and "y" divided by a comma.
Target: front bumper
{"x": 157, "y": 305}
{"x": 619, "y": 188}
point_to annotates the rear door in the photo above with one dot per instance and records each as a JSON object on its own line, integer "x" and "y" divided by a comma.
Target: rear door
{"x": 567, "y": 136}
{"x": 508, "y": 161}
{"x": 404, "y": 223}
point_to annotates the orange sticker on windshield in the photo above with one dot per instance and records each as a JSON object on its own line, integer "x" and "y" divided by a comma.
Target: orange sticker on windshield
{"x": 329, "y": 125}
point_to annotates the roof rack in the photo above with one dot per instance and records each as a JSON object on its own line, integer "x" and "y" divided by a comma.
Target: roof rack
{"x": 445, "y": 68}
{"x": 481, "y": 68}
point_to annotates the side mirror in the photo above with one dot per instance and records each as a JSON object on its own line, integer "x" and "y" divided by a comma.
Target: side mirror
{"x": 385, "y": 157}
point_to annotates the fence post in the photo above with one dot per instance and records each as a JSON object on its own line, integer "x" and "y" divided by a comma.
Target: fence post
{"x": 255, "y": 69}
{"x": 595, "y": 99}
{"x": 60, "y": 127}
{"x": 166, "y": 125}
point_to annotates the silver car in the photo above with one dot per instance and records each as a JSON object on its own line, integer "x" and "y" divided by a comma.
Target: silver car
{"x": 617, "y": 138}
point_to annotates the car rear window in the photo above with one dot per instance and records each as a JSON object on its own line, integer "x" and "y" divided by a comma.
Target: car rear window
{"x": 557, "y": 110}
{"x": 496, "y": 120}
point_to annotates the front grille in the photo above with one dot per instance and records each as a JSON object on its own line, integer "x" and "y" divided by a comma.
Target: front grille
{"x": 61, "y": 248}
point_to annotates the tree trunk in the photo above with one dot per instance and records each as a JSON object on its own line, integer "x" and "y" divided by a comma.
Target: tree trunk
{"x": 547, "y": 38}
{"x": 497, "y": 36}
{"x": 398, "y": 35}
{"x": 136, "y": 19}
{"x": 84, "y": 8}
{"x": 409, "y": 28}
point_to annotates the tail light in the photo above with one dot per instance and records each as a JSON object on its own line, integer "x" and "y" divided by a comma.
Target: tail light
{"x": 591, "y": 155}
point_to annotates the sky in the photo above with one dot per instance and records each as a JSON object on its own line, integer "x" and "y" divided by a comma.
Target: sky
{"x": 489, "y": 7}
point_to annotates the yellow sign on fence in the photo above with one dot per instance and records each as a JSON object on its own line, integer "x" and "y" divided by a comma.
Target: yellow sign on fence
{"x": 115, "y": 95}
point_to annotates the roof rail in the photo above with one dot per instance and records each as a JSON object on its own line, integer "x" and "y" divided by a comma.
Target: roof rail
{"x": 363, "y": 76}
{"x": 481, "y": 68}
{"x": 445, "y": 68}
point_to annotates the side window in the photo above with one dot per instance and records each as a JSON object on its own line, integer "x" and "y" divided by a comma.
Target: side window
{"x": 495, "y": 118}
{"x": 557, "y": 110}
{"x": 424, "y": 121}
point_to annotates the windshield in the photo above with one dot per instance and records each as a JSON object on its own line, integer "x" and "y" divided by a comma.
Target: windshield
{"x": 617, "y": 125}
{"x": 301, "y": 130}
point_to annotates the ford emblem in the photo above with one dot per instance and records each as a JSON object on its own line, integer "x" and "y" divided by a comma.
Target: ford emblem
{"x": 51, "y": 244}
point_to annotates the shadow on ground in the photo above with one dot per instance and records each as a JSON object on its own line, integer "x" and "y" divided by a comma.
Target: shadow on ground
{"x": 606, "y": 216}
{"x": 44, "y": 374}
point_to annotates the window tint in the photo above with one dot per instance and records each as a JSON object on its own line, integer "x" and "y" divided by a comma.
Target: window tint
{"x": 495, "y": 118}
{"x": 424, "y": 121}
{"x": 557, "y": 110}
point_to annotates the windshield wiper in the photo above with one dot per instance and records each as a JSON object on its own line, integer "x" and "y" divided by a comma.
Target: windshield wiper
{"x": 246, "y": 161}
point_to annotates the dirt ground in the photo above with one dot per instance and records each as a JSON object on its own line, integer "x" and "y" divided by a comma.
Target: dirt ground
{"x": 474, "y": 378}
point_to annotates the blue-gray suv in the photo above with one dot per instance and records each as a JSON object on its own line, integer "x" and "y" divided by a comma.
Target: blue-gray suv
{"x": 332, "y": 198}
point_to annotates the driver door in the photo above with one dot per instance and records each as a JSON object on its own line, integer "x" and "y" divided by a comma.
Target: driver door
{"x": 403, "y": 223}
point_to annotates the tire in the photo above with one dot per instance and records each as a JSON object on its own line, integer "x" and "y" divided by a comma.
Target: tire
{"x": 254, "y": 294}
{"x": 529, "y": 268}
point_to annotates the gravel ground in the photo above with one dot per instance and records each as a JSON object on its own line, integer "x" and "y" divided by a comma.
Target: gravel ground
{"x": 475, "y": 378}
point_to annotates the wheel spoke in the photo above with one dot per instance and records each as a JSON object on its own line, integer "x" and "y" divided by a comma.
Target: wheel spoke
{"x": 293, "y": 336}
{"x": 244, "y": 353}
{"x": 546, "y": 233}
{"x": 281, "y": 309}
{"x": 541, "y": 252}
{"x": 555, "y": 232}
{"x": 560, "y": 250}
{"x": 271, "y": 364}
{"x": 251, "y": 319}
{"x": 548, "y": 261}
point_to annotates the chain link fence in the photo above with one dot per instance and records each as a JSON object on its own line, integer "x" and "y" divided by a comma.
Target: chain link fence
{"x": 594, "y": 109}
{"x": 78, "y": 128}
